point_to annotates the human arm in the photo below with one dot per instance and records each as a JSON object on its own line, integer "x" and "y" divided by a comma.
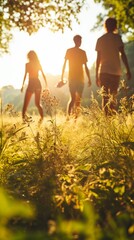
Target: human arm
{"x": 63, "y": 70}
{"x": 44, "y": 77}
{"x": 125, "y": 61}
{"x": 88, "y": 75}
{"x": 24, "y": 78}
{"x": 98, "y": 60}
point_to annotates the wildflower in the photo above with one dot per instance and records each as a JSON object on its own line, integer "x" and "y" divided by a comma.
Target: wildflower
{"x": 49, "y": 102}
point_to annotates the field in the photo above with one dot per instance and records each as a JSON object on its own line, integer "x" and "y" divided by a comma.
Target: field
{"x": 67, "y": 179}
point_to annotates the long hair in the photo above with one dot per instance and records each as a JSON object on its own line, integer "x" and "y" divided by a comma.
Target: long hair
{"x": 32, "y": 57}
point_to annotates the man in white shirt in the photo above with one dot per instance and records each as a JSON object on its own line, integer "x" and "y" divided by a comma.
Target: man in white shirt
{"x": 109, "y": 48}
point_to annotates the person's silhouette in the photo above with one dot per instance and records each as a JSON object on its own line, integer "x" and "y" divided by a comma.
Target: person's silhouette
{"x": 32, "y": 69}
{"x": 109, "y": 47}
{"x": 77, "y": 58}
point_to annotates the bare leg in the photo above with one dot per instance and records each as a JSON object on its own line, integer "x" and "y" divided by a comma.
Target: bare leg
{"x": 37, "y": 103}
{"x": 71, "y": 103}
{"x": 110, "y": 84}
{"x": 27, "y": 98}
{"x": 78, "y": 103}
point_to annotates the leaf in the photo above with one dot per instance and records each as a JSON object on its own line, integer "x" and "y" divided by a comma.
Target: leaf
{"x": 10, "y": 207}
{"x": 30, "y": 16}
{"x": 20, "y": 161}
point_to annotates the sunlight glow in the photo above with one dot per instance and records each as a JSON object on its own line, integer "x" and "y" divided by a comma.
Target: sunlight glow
{"x": 50, "y": 47}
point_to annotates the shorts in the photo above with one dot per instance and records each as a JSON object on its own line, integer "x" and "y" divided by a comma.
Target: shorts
{"x": 34, "y": 85}
{"x": 110, "y": 82}
{"x": 75, "y": 86}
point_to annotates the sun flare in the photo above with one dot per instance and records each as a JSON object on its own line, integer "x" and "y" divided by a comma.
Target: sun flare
{"x": 50, "y": 47}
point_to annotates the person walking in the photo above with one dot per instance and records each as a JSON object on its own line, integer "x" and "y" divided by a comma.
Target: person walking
{"x": 109, "y": 48}
{"x": 77, "y": 59}
{"x": 32, "y": 69}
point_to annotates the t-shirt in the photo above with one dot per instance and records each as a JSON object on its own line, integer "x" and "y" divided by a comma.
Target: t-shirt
{"x": 108, "y": 45}
{"x": 77, "y": 57}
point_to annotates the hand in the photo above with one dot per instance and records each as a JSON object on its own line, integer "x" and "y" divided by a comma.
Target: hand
{"x": 46, "y": 89}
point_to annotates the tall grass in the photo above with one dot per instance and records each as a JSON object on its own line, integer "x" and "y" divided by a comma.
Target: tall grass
{"x": 78, "y": 174}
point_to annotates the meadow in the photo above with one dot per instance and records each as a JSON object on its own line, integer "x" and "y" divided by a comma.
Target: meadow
{"x": 67, "y": 179}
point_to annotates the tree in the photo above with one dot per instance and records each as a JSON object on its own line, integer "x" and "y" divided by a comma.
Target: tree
{"x": 31, "y": 15}
{"x": 123, "y": 11}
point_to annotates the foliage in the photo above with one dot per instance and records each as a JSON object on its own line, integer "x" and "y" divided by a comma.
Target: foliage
{"x": 122, "y": 10}
{"x": 31, "y": 15}
{"x": 78, "y": 175}
{"x": 9, "y": 209}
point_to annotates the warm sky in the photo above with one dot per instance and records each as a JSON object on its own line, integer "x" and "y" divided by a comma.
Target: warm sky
{"x": 50, "y": 47}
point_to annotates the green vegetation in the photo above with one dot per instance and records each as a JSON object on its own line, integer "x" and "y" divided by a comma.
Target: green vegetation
{"x": 31, "y": 15}
{"x": 123, "y": 11}
{"x": 68, "y": 180}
